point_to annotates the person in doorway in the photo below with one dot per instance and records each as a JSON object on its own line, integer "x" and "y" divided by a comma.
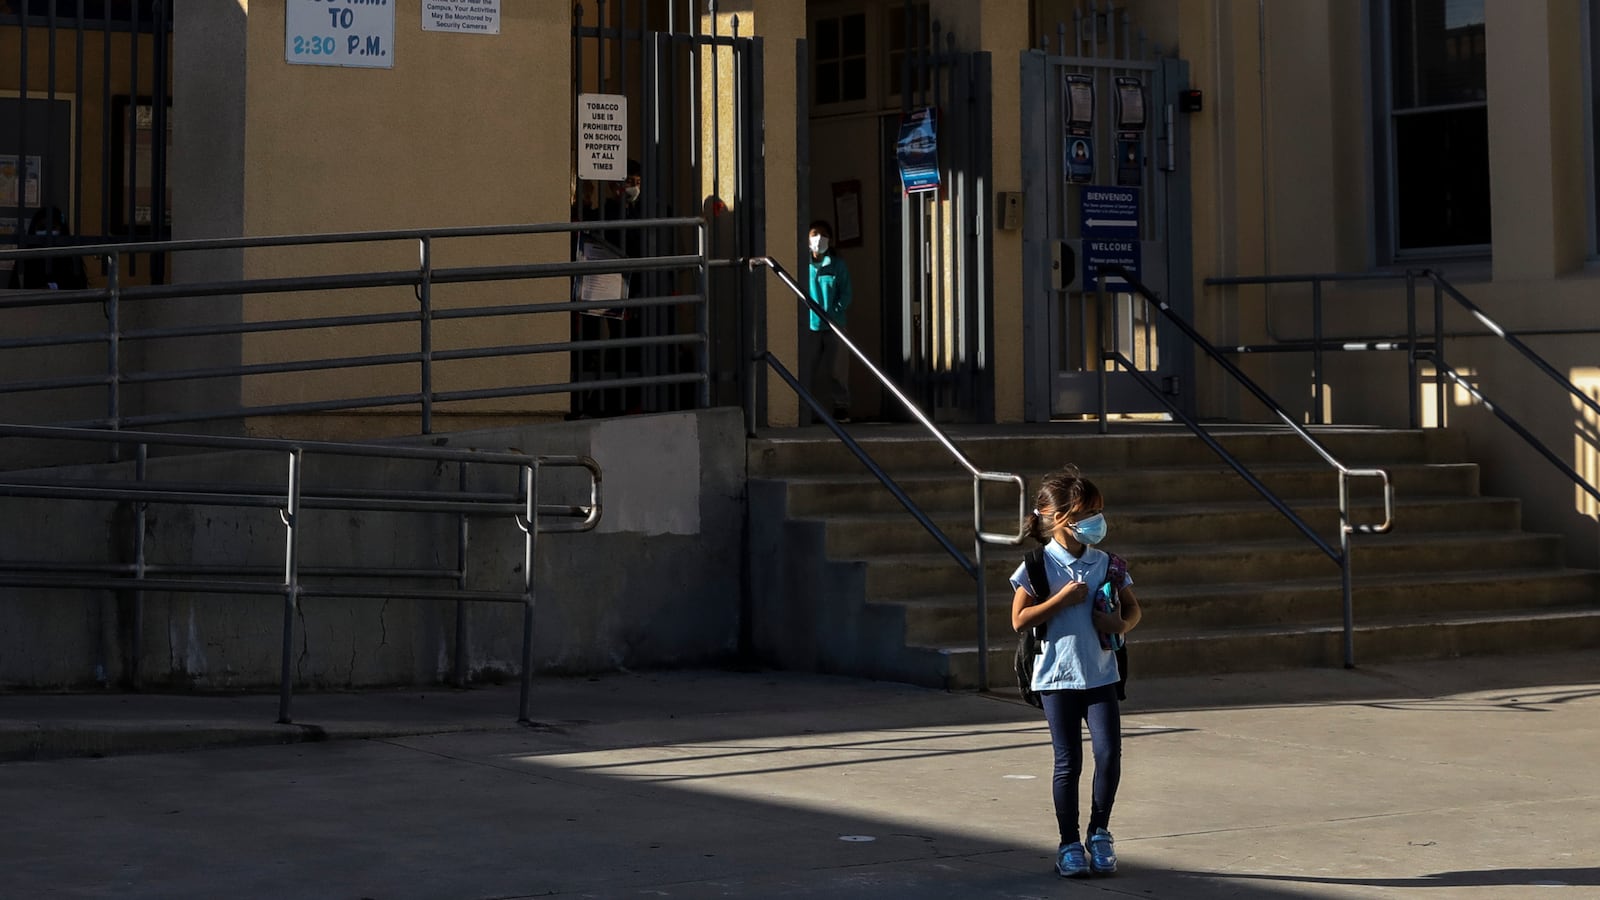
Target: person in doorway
{"x": 830, "y": 289}
{"x": 1076, "y": 671}
{"x": 605, "y": 324}
{"x": 52, "y": 273}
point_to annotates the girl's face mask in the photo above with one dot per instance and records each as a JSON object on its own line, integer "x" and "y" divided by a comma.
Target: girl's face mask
{"x": 1091, "y": 530}
{"x": 819, "y": 244}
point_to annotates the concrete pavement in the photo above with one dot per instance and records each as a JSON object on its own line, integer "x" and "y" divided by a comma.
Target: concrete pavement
{"x": 1469, "y": 778}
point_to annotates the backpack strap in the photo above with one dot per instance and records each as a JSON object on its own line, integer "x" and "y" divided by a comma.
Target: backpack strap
{"x": 1117, "y": 572}
{"x": 1039, "y": 579}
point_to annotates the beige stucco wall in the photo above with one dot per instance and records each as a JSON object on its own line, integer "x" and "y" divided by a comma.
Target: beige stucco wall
{"x": 465, "y": 129}
{"x": 1316, "y": 116}
{"x": 1535, "y": 136}
{"x": 781, "y": 24}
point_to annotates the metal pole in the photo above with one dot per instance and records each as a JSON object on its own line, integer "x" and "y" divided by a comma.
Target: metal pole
{"x": 1344, "y": 572}
{"x": 425, "y": 298}
{"x": 1321, "y": 417}
{"x": 1105, "y": 358}
{"x": 291, "y": 578}
{"x": 1413, "y": 370}
{"x": 702, "y": 317}
{"x": 1438, "y": 355}
{"x": 136, "y": 654}
{"x": 114, "y": 345}
{"x": 461, "y": 584}
{"x": 980, "y": 576}
{"x": 530, "y": 530}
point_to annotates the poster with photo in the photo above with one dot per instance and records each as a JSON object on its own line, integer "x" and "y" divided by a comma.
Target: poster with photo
{"x": 11, "y": 178}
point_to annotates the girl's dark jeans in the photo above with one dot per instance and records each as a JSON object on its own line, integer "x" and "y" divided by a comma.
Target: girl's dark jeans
{"x": 1066, "y": 711}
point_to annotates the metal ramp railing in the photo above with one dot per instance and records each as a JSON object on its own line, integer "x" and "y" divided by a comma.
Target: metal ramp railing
{"x": 290, "y": 497}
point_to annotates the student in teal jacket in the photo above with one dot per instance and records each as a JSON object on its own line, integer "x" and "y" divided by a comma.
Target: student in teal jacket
{"x": 830, "y": 289}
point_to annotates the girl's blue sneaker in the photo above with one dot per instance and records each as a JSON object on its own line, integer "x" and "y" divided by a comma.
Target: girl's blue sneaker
{"x": 1071, "y": 861}
{"x": 1102, "y": 852}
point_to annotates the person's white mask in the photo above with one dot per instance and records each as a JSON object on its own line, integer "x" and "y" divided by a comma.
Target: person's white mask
{"x": 819, "y": 244}
{"x": 631, "y": 192}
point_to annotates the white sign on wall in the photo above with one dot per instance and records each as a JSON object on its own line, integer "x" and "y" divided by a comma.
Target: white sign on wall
{"x": 471, "y": 16}
{"x": 602, "y": 137}
{"x": 339, "y": 33}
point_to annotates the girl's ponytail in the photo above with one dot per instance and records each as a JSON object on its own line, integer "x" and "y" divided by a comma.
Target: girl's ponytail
{"x": 1033, "y": 526}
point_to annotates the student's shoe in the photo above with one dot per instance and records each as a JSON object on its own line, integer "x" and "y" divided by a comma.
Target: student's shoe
{"x": 1071, "y": 861}
{"x": 842, "y": 416}
{"x": 1102, "y": 852}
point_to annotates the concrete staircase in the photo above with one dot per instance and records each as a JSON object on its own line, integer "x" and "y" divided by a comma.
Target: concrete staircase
{"x": 1228, "y": 584}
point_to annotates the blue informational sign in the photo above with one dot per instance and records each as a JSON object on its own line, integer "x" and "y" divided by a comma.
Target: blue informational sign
{"x": 917, "y": 150}
{"x": 1110, "y": 232}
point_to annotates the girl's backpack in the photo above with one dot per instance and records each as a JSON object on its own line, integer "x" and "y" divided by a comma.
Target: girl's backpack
{"x": 1032, "y": 638}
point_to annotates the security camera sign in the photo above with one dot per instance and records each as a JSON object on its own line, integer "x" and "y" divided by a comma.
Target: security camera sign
{"x": 602, "y": 137}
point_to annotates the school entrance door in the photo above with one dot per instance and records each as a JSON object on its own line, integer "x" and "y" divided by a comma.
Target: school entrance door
{"x": 1106, "y": 181}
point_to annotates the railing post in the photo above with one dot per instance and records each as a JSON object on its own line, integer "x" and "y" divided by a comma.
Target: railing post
{"x": 530, "y": 529}
{"x": 983, "y": 589}
{"x": 1438, "y": 354}
{"x": 136, "y": 655}
{"x": 1413, "y": 370}
{"x": 291, "y": 577}
{"x": 460, "y": 675}
{"x": 114, "y": 347}
{"x": 1321, "y": 417}
{"x": 1105, "y": 358}
{"x": 425, "y": 299}
{"x": 756, "y": 346}
{"x": 1344, "y": 572}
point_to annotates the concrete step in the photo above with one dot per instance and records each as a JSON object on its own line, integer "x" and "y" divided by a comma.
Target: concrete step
{"x": 814, "y": 495}
{"x": 910, "y": 449}
{"x": 865, "y": 534}
{"x": 1260, "y": 649}
{"x": 933, "y": 574}
{"x": 1176, "y": 609}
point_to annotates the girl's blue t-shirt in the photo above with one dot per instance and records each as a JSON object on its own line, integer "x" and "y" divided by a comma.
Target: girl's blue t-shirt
{"x": 1071, "y": 657}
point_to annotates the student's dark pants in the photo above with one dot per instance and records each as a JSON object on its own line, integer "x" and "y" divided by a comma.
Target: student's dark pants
{"x": 1066, "y": 711}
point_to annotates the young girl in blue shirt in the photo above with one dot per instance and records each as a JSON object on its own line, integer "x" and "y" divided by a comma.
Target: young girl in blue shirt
{"x": 1076, "y": 670}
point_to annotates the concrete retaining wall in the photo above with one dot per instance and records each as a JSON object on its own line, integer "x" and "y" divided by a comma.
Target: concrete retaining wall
{"x": 656, "y": 584}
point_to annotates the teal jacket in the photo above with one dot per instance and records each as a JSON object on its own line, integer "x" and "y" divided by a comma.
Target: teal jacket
{"x": 830, "y": 288}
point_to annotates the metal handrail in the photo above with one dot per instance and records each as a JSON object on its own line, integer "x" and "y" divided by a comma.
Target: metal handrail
{"x": 1419, "y": 350}
{"x": 1443, "y": 288}
{"x": 422, "y": 279}
{"x": 531, "y": 517}
{"x": 973, "y": 566}
{"x": 1346, "y": 528}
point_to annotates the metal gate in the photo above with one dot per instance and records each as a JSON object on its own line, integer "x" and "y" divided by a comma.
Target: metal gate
{"x": 942, "y": 326}
{"x": 1106, "y": 180}
{"x": 694, "y": 124}
{"x": 82, "y": 104}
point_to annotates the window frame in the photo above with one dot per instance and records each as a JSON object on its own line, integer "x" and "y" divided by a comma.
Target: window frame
{"x": 1590, "y": 29}
{"x": 1384, "y": 149}
{"x": 871, "y": 87}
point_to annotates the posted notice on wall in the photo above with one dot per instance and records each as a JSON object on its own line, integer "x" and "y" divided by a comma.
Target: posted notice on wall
{"x": 602, "y": 137}
{"x": 358, "y": 33}
{"x": 468, "y": 16}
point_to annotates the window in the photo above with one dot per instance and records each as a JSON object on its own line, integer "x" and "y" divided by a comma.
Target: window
{"x": 1434, "y": 128}
{"x": 917, "y": 30}
{"x": 839, "y": 59}
{"x": 1591, "y": 138}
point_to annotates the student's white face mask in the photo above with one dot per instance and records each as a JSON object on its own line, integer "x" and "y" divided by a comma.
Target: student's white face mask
{"x": 819, "y": 244}
{"x": 631, "y": 192}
